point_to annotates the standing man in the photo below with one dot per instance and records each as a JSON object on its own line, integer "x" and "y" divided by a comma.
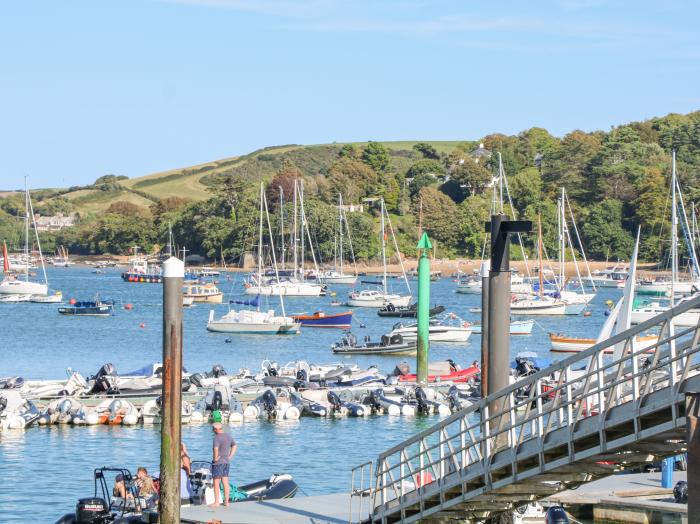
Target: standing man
{"x": 224, "y": 450}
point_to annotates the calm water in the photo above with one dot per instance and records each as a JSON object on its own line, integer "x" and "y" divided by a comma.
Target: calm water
{"x": 46, "y": 469}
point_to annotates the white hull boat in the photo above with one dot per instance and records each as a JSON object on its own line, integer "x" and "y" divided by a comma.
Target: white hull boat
{"x": 517, "y": 327}
{"x": 23, "y": 287}
{"x": 13, "y": 299}
{"x": 285, "y": 288}
{"x": 334, "y": 277}
{"x": 254, "y": 323}
{"x": 690, "y": 318}
{"x": 538, "y": 307}
{"x": 371, "y": 298}
{"x": 48, "y": 299}
{"x": 436, "y": 332}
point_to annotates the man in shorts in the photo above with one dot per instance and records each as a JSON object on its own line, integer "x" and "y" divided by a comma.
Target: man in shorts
{"x": 224, "y": 450}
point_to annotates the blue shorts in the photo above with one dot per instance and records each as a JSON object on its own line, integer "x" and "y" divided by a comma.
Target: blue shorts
{"x": 219, "y": 470}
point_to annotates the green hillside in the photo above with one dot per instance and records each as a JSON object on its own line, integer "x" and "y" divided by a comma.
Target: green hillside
{"x": 195, "y": 182}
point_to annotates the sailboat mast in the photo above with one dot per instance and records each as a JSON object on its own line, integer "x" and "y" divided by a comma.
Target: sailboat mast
{"x": 296, "y": 239}
{"x": 260, "y": 239}
{"x": 26, "y": 231}
{"x": 340, "y": 230}
{"x": 303, "y": 223}
{"x": 674, "y": 230}
{"x": 562, "y": 243}
{"x": 383, "y": 247}
{"x": 263, "y": 202}
{"x": 539, "y": 252}
{"x": 282, "y": 225}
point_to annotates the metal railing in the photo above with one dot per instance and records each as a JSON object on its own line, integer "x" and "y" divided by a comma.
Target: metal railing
{"x": 502, "y": 439}
{"x": 361, "y": 493}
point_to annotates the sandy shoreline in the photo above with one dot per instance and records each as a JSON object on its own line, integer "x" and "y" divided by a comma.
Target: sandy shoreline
{"x": 446, "y": 266}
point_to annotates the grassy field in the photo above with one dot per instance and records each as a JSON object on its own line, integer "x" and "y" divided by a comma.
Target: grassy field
{"x": 191, "y": 182}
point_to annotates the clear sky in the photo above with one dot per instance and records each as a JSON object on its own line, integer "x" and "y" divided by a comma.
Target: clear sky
{"x": 131, "y": 87}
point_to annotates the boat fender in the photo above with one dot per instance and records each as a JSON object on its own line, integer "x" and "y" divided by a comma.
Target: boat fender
{"x": 408, "y": 410}
{"x": 235, "y": 417}
{"x": 130, "y": 419}
{"x": 292, "y": 413}
{"x": 196, "y": 418}
{"x": 251, "y": 412}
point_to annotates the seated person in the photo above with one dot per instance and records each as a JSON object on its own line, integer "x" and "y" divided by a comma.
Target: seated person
{"x": 144, "y": 483}
{"x": 119, "y": 490}
{"x": 185, "y": 459}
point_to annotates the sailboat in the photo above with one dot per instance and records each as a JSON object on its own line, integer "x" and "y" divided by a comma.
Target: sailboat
{"x": 376, "y": 298}
{"x": 540, "y": 304}
{"x": 663, "y": 288}
{"x": 337, "y": 275}
{"x": 575, "y": 302}
{"x": 12, "y": 285}
{"x": 294, "y": 286}
{"x": 563, "y": 344}
{"x": 692, "y": 316}
{"x": 254, "y": 321}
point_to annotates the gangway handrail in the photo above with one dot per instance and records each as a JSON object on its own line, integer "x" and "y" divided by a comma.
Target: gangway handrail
{"x": 466, "y": 445}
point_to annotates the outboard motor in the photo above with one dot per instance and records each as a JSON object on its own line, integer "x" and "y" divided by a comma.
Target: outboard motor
{"x": 65, "y": 406}
{"x": 196, "y": 379}
{"x": 159, "y": 402}
{"x": 453, "y": 365}
{"x": 402, "y": 369}
{"x": 556, "y": 515}
{"x": 270, "y": 403}
{"x": 680, "y": 492}
{"x": 302, "y": 375}
{"x": 334, "y": 401}
{"x": 218, "y": 371}
{"x": 3, "y": 404}
{"x": 373, "y": 401}
{"x": 272, "y": 369}
{"x": 91, "y": 510}
{"x": 105, "y": 380}
{"x": 217, "y": 401}
{"x": 525, "y": 367}
{"x": 13, "y": 383}
{"x": 422, "y": 401}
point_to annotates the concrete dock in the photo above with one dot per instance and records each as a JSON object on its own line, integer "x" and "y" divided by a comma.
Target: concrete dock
{"x": 634, "y": 497}
{"x": 320, "y": 509}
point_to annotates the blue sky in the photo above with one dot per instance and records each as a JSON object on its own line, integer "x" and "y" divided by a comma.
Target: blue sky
{"x": 133, "y": 87}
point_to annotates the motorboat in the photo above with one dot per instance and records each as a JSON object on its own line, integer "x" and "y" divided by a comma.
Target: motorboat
{"x": 374, "y": 298}
{"x": 394, "y": 345}
{"x": 471, "y": 285}
{"x": 142, "y": 271}
{"x": 273, "y": 404}
{"x": 453, "y": 374}
{"x": 610, "y": 277}
{"x": 390, "y": 310}
{"x": 115, "y": 412}
{"x": 56, "y": 298}
{"x": 218, "y": 399}
{"x": 248, "y": 321}
{"x": 336, "y": 277}
{"x": 16, "y": 412}
{"x": 438, "y": 331}
{"x": 319, "y": 319}
{"x": 688, "y": 318}
{"x": 517, "y": 327}
{"x": 151, "y": 411}
{"x": 89, "y": 308}
{"x": 199, "y": 292}
{"x": 278, "y": 486}
{"x": 62, "y": 411}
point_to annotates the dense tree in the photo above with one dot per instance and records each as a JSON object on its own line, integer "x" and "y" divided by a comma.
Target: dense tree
{"x": 353, "y": 178}
{"x": 603, "y": 232}
{"x": 441, "y": 218}
{"x": 126, "y": 209}
{"x": 376, "y": 156}
{"x": 427, "y": 150}
{"x": 168, "y": 204}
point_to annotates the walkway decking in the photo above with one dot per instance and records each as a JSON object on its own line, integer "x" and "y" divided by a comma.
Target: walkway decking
{"x": 321, "y": 509}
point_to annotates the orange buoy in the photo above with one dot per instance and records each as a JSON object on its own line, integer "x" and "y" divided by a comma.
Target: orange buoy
{"x": 72, "y": 301}
{"x": 128, "y": 306}
{"x": 142, "y": 325}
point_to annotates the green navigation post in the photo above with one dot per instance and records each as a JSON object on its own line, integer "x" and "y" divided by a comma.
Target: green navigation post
{"x": 423, "y": 311}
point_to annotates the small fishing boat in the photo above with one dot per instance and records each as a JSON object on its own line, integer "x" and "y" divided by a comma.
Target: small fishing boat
{"x": 564, "y": 344}
{"x": 89, "y": 308}
{"x": 406, "y": 311}
{"x": 56, "y": 298}
{"x": 202, "y": 292}
{"x": 517, "y": 327}
{"x": 394, "y": 345}
{"x": 320, "y": 319}
{"x": 16, "y": 412}
{"x": 141, "y": 271}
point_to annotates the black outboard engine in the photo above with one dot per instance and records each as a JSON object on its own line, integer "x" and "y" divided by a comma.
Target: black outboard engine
{"x": 270, "y": 404}
{"x": 13, "y": 383}
{"x": 196, "y": 379}
{"x": 402, "y": 369}
{"x": 334, "y": 401}
{"x": 217, "y": 401}
{"x": 525, "y": 367}
{"x": 218, "y": 371}
{"x": 373, "y": 401}
{"x": 302, "y": 376}
{"x": 3, "y": 404}
{"x": 105, "y": 380}
{"x": 272, "y": 369}
{"x": 422, "y": 401}
{"x": 92, "y": 510}
{"x": 453, "y": 399}
{"x": 159, "y": 402}
{"x": 680, "y": 492}
{"x": 556, "y": 515}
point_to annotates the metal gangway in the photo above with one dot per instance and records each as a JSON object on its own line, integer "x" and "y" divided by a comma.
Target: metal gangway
{"x": 584, "y": 417}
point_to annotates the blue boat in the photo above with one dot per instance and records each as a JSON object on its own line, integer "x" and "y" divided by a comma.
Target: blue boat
{"x": 89, "y": 308}
{"x": 322, "y": 320}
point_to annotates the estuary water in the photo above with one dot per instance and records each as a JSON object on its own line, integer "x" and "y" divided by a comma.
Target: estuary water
{"x": 45, "y": 470}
